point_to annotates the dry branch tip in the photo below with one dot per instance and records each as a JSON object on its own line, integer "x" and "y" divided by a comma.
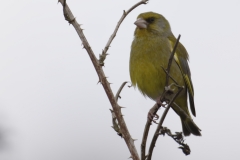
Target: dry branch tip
{"x": 178, "y": 137}
{"x": 120, "y": 90}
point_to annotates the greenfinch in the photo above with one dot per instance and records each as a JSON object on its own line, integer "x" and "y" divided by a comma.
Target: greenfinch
{"x": 150, "y": 51}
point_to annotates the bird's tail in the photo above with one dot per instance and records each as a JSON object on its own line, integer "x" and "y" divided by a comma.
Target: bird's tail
{"x": 188, "y": 127}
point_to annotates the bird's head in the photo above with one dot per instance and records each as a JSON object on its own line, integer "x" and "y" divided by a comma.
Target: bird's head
{"x": 150, "y": 22}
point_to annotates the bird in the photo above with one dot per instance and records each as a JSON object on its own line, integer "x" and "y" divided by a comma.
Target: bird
{"x": 151, "y": 48}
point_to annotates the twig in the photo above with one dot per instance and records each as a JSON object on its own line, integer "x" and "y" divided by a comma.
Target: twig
{"x": 145, "y": 134}
{"x": 155, "y": 108}
{"x": 114, "y": 119}
{"x": 169, "y": 75}
{"x": 119, "y": 91}
{"x": 171, "y": 59}
{"x": 178, "y": 137}
{"x": 152, "y": 145}
{"x": 65, "y": 12}
{"x": 125, "y": 13}
{"x": 102, "y": 78}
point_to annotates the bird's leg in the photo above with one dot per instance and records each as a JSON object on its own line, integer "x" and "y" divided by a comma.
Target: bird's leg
{"x": 153, "y": 117}
{"x": 160, "y": 102}
{"x": 152, "y": 114}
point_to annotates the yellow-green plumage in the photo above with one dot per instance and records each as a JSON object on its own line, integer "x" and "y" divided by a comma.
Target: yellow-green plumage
{"x": 151, "y": 49}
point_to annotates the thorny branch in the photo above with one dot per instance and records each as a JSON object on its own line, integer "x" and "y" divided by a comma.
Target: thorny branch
{"x": 115, "y": 123}
{"x": 102, "y": 78}
{"x": 114, "y": 119}
{"x": 102, "y": 56}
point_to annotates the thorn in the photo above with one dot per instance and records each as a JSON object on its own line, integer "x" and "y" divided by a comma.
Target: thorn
{"x": 109, "y": 83}
{"x": 106, "y": 77}
{"x": 122, "y": 107}
{"x": 130, "y": 157}
{"x": 134, "y": 139}
{"x": 122, "y": 115}
{"x": 119, "y": 97}
{"x": 99, "y": 81}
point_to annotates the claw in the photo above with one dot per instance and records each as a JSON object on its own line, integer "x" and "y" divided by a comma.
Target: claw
{"x": 156, "y": 116}
{"x": 152, "y": 117}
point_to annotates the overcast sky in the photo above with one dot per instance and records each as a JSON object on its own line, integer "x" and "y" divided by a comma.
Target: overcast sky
{"x": 51, "y": 107}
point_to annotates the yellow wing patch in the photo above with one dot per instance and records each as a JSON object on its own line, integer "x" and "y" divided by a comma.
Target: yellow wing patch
{"x": 185, "y": 76}
{"x": 188, "y": 83}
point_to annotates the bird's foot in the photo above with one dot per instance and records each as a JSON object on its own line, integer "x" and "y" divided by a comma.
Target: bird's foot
{"x": 153, "y": 117}
{"x": 152, "y": 114}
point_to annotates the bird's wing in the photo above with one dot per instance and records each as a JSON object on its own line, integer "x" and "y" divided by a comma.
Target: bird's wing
{"x": 181, "y": 58}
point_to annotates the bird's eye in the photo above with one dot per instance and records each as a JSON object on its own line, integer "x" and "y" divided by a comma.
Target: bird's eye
{"x": 150, "y": 20}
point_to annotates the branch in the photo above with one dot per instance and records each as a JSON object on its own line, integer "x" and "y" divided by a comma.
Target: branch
{"x": 119, "y": 91}
{"x": 145, "y": 133}
{"x": 114, "y": 119}
{"x": 102, "y": 56}
{"x": 115, "y": 124}
{"x": 102, "y": 78}
{"x": 166, "y": 72}
{"x": 155, "y": 108}
{"x": 171, "y": 59}
{"x": 178, "y": 137}
{"x": 154, "y": 140}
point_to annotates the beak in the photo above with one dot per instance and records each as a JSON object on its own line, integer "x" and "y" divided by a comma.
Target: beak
{"x": 141, "y": 23}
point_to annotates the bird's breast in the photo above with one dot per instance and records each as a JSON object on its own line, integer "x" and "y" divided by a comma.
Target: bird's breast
{"x": 148, "y": 56}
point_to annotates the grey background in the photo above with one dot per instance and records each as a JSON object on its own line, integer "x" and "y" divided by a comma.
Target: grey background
{"x": 52, "y": 108}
